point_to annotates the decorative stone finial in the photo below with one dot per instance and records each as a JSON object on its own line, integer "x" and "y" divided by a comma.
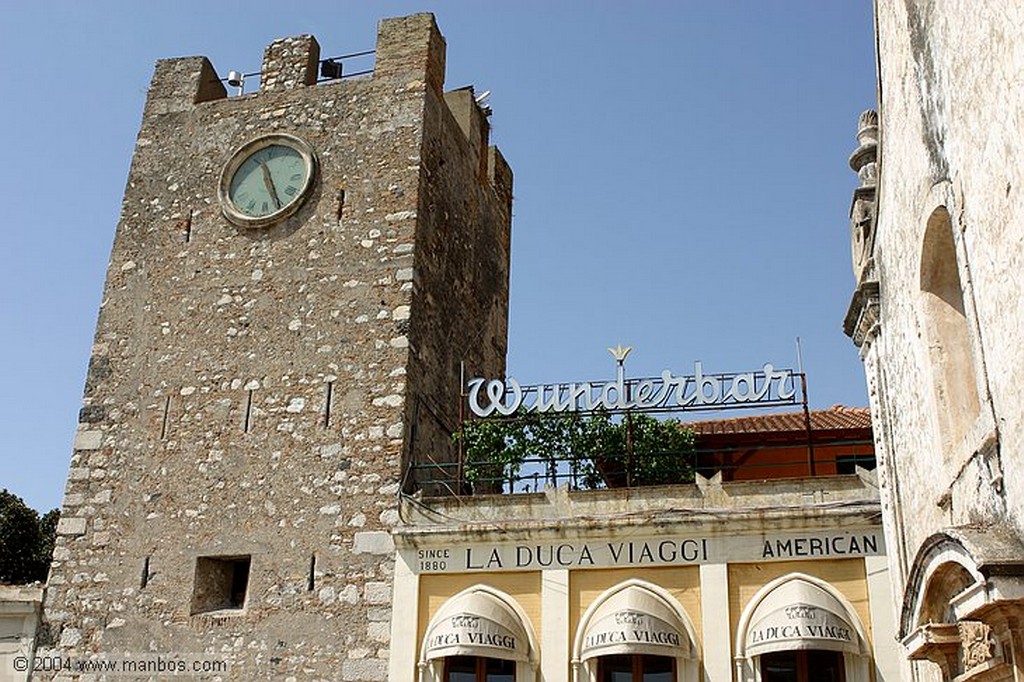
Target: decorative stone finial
{"x": 868, "y": 119}
{"x": 863, "y": 159}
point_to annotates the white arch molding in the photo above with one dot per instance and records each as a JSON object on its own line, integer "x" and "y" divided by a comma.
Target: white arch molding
{"x": 479, "y": 621}
{"x": 799, "y": 611}
{"x": 651, "y": 620}
{"x": 939, "y": 556}
{"x": 963, "y": 602}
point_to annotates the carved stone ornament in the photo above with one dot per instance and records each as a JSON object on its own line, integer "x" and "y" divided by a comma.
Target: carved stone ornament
{"x": 864, "y": 162}
{"x": 976, "y": 643}
{"x": 861, "y": 224}
{"x": 863, "y": 314}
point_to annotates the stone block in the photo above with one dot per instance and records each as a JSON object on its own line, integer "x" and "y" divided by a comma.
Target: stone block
{"x": 364, "y": 670}
{"x": 78, "y": 473}
{"x": 74, "y": 500}
{"x": 71, "y": 525}
{"x": 379, "y": 632}
{"x": 373, "y": 542}
{"x": 377, "y": 593}
{"x": 70, "y": 637}
{"x": 378, "y": 615}
{"x": 88, "y": 440}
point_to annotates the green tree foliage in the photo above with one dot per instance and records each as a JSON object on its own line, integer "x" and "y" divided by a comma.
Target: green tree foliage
{"x": 26, "y": 540}
{"x": 655, "y": 452}
{"x": 599, "y": 451}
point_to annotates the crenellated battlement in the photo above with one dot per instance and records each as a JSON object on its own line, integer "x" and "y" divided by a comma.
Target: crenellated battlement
{"x": 290, "y": 63}
{"x": 409, "y": 57}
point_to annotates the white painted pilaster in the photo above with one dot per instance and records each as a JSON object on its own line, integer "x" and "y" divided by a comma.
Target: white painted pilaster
{"x": 714, "y": 614}
{"x": 555, "y": 641}
{"x": 883, "y": 619}
{"x": 404, "y": 600}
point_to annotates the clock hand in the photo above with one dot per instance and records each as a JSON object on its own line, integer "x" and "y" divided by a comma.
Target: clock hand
{"x": 270, "y": 184}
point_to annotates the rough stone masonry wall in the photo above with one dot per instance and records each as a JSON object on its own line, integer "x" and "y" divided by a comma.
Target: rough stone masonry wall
{"x": 205, "y": 429}
{"x": 461, "y": 276}
{"x": 951, "y": 115}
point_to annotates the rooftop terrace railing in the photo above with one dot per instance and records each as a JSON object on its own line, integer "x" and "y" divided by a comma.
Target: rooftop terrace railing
{"x": 532, "y": 473}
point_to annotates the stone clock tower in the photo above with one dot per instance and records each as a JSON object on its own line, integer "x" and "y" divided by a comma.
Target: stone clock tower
{"x": 297, "y": 276}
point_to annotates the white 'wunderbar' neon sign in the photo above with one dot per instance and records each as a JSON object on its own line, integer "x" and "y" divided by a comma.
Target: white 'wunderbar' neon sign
{"x": 667, "y": 392}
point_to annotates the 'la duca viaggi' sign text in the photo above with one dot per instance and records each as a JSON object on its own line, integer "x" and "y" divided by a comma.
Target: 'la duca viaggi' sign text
{"x": 669, "y": 392}
{"x": 658, "y": 551}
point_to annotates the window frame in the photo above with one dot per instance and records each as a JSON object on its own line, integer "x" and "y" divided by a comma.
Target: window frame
{"x": 480, "y": 664}
{"x": 803, "y": 663}
{"x": 636, "y": 661}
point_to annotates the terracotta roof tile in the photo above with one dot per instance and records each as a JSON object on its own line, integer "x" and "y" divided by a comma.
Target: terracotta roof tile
{"x": 838, "y": 417}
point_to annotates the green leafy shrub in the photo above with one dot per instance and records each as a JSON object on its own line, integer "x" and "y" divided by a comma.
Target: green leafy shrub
{"x": 597, "y": 450}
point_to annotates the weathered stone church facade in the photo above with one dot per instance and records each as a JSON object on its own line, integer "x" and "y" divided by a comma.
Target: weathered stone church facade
{"x": 938, "y": 316}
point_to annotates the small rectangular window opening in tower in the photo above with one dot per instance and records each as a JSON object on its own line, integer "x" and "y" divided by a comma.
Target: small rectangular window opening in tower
{"x": 221, "y": 583}
{"x": 327, "y": 403}
{"x": 311, "y": 583}
{"x": 247, "y": 424}
{"x": 341, "y": 203}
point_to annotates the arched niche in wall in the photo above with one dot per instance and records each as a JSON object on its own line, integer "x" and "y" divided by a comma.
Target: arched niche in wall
{"x": 799, "y": 616}
{"x": 480, "y": 629}
{"x": 638, "y": 624}
{"x": 944, "y": 320}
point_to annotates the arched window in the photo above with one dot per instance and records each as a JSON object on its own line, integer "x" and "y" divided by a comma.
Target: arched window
{"x": 634, "y": 632}
{"x": 946, "y": 330}
{"x": 800, "y": 629}
{"x": 479, "y": 635}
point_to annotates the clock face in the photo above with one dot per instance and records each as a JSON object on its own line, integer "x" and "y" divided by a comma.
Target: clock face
{"x": 266, "y": 180}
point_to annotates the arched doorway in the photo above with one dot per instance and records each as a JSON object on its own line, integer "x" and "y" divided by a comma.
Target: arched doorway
{"x": 634, "y": 632}
{"x": 800, "y": 629}
{"x": 479, "y": 635}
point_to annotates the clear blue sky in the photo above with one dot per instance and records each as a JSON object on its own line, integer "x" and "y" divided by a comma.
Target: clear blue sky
{"x": 680, "y": 179}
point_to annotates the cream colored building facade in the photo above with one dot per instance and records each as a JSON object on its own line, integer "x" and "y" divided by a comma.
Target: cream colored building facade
{"x": 938, "y": 316}
{"x": 714, "y": 576}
